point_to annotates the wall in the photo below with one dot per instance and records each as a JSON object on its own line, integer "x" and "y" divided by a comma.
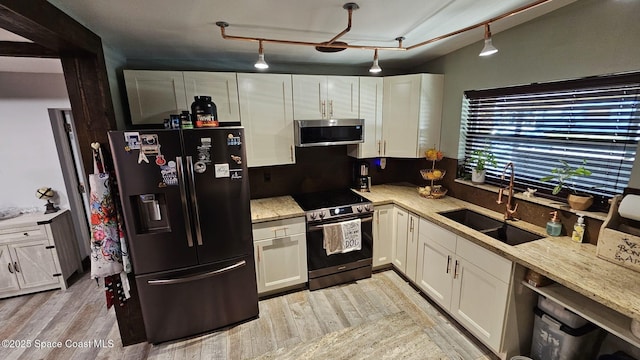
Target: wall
{"x": 587, "y": 37}
{"x": 27, "y": 148}
{"x": 114, "y": 62}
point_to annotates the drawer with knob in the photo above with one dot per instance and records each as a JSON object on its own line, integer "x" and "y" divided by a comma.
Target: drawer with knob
{"x": 24, "y": 233}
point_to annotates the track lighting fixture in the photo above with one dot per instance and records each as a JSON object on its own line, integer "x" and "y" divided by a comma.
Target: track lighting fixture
{"x": 261, "y": 64}
{"x": 375, "y": 68}
{"x": 334, "y": 46}
{"x": 488, "y": 48}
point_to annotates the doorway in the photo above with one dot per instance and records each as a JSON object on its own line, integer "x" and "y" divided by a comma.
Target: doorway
{"x": 74, "y": 175}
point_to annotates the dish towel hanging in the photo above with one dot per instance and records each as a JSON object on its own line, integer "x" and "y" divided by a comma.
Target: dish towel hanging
{"x": 342, "y": 237}
{"x": 109, "y": 259}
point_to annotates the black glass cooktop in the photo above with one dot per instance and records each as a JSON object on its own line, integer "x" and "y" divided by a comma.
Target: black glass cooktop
{"x": 328, "y": 199}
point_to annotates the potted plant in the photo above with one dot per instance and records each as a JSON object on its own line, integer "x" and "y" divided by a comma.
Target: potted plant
{"x": 562, "y": 176}
{"x": 479, "y": 160}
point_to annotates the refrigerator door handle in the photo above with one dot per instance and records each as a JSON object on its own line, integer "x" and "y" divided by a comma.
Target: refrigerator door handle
{"x": 198, "y": 276}
{"x": 183, "y": 198}
{"x": 194, "y": 199}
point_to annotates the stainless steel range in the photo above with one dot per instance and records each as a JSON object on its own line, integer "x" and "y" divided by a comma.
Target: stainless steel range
{"x": 328, "y": 208}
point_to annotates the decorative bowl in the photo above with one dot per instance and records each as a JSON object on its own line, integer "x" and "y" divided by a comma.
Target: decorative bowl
{"x": 435, "y": 192}
{"x": 432, "y": 174}
{"x": 433, "y": 154}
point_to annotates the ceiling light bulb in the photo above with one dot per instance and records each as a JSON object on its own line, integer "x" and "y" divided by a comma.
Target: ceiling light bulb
{"x": 488, "y": 48}
{"x": 375, "y": 68}
{"x": 261, "y": 64}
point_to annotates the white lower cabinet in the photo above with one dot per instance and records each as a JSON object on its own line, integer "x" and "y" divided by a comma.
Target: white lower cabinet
{"x": 468, "y": 281}
{"x": 382, "y": 235}
{"x": 37, "y": 252}
{"x": 280, "y": 250}
{"x": 400, "y": 230}
{"x": 405, "y": 243}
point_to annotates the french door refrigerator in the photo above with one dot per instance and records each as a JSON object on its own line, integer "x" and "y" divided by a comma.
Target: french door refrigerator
{"x": 185, "y": 199}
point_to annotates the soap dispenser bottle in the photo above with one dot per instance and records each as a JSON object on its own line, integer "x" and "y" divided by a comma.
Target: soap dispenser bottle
{"x": 578, "y": 229}
{"x": 554, "y": 226}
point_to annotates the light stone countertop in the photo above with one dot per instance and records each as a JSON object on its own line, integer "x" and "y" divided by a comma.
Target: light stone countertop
{"x": 275, "y": 208}
{"x": 573, "y": 265}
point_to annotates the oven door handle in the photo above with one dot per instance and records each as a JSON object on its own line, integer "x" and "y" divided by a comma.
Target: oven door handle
{"x": 319, "y": 227}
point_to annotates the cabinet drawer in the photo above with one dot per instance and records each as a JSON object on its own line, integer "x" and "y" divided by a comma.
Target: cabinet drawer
{"x": 440, "y": 236}
{"x": 20, "y": 234}
{"x": 279, "y": 228}
{"x": 486, "y": 260}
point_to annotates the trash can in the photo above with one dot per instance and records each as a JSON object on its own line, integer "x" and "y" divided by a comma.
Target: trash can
{"x": 562, "y": 335}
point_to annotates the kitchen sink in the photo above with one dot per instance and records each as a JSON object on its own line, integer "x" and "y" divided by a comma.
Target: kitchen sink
{"x": 499, "y": 230}
{"x": 472, "y": 219}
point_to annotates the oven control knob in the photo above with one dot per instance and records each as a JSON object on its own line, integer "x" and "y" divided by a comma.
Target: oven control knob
{"x": 322, "y": 215}
{"x": 359, "y": 208}
{"x": 367, "y": 207}
{"x": 313, "y": 216}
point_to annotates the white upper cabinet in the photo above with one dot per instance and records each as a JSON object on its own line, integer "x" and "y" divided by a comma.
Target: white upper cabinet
{"x": 325, "y": 97}
{"x": 154, "y": 95}
{"x": 222, "y": 87}
{"x": 371, "y": 89}
{"x": 266, "y": 111}
{"x": 412, "y": 114}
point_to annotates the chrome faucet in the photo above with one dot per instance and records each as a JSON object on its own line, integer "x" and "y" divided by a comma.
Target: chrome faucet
{"x": 508, "y": 213}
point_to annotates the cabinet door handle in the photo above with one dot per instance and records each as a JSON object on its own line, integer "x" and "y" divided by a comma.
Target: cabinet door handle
{"x": 379, "y": 144}
{"x": 455, "y": 271}
{"x": 384, "y": 150}
{"x": 330, "y": 109}
{"x": 258, "y": 253}
{"x": 10, "y": 268}
{"x": 15, "y": 266}
{"x": 411, "y": 227}
{"x": 323, "y": 107}
{"x": 291, "y": 151}
{"x": 448, "y": 263}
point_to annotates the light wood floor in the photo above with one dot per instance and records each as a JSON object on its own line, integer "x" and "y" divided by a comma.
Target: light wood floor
{"x": 79, "y": 315}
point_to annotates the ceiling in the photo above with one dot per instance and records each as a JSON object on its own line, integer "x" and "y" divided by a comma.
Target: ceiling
{"x": 186, "y": 30}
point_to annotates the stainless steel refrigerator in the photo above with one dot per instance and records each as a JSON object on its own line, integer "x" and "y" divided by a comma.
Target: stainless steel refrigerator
{"x": 185, "y": 199}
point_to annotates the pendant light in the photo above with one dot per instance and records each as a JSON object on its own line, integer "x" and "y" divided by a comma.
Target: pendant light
{"x": 261, "y": 64}
{"x": 334, "y": 45}
{"x": 375, "y": 68}
{"x": 488, "y": 48}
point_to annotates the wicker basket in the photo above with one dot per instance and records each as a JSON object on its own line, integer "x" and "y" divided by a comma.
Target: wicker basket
{"x": 439, "y": 193}
{"x": 430, "y": 174}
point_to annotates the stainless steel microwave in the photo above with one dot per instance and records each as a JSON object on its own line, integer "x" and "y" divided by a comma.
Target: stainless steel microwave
{"x": 328, "y": 132}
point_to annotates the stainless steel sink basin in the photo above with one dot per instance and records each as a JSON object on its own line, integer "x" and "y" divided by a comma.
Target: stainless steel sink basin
{"x": 499, "y": 230}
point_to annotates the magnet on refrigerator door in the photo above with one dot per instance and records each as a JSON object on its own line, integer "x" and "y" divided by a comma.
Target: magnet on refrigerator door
{"x": 237, "y": 159}
{"x": 222, "y": 170}
{"x": 132, "y": 139}
{"x": 233, "y": 140}
{"x": 149, "y": 144}
{"x": 169, "y": 173}
{"x": 236, "y": 174}
{"x": 204, "y": 150}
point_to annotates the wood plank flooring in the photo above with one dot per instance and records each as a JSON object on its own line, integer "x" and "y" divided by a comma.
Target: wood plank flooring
{"x": 78, "y": 316}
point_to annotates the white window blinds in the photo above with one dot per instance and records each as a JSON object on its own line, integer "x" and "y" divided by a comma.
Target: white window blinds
{"x": 533, "y": 126}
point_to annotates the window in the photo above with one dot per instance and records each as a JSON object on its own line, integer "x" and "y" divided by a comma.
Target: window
{"x": 596, "y": 119}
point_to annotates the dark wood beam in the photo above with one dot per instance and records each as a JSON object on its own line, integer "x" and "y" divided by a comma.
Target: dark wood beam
{"x": 26, "y": 49}
{"x": 85, "y": 74}
{"x": 43, "y": 23}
